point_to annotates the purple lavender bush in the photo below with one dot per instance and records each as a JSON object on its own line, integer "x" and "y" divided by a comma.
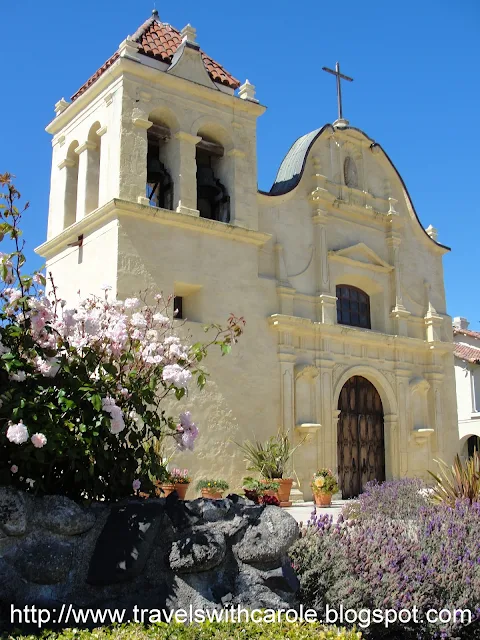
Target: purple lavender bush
{"x": 431, "y": 561}
{"x": 395, "y": 499}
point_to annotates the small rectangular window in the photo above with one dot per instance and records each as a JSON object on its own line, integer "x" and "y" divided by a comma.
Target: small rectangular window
{"x": 178, "y": 307}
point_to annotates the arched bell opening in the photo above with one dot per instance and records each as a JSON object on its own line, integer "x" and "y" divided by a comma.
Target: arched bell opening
{"x": 213, "y": 201}
{"x": 160, "y": 188}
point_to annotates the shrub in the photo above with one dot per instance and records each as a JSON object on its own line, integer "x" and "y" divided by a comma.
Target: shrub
{"x": 394, "y": 499}
{"x": 461, "y": 481}
{"x": 82, "y": 388}
{"x": 205, "y": 631}
{"x": 269, "y": 459}
{"x": 218, "y": 485}
{"x": 430, "y": 562}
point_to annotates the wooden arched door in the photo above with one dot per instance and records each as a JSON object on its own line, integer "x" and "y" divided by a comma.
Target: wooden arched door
{"x": 361, "y": 444}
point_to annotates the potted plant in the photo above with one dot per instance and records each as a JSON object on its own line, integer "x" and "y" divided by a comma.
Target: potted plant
{"x": 261, "y": 491}
{"x": 212, "y": 489}
{"x": 323, "y": 484}
{"x": 270, "y": 460}
{"x": 179, "y": 480}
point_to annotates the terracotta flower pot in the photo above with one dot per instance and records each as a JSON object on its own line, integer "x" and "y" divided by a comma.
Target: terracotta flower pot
{"x": 323, "y": 499}
{"x": 283, "y": 493}
{"x": 212, "y": 494}
{"x": 270, "y": 492}
{"x": 181, "y": 488}
{"x": 166, "y": 489}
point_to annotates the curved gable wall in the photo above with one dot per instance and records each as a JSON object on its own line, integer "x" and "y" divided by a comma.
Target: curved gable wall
{"x": 293, "y": 165}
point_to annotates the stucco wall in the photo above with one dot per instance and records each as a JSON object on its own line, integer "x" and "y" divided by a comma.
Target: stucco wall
{"x": 277, "y": 263}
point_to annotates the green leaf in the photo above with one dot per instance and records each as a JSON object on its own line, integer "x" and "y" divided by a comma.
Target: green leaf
{"x": 96, "y": 402}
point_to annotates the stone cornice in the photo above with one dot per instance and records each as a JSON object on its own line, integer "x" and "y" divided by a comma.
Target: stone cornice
{"x": 136, "y": 70}
{"x": 305, "y": 326}
{"x": 116, "y": 209}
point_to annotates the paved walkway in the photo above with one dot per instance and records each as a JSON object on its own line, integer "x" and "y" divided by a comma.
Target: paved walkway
{"x": 302, "y": 511}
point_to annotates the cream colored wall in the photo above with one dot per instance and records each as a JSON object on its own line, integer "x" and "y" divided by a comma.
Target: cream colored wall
{"x": 291, "y": 364}
{"x": 241, "y": 399}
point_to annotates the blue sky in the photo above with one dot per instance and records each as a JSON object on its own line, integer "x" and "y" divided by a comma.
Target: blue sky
{"x": 416, "y": 91}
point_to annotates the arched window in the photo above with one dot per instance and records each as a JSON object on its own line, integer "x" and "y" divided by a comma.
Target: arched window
{"x": 353, "y": 306}
{"x": 473, "y": 444}
{"x": 213, "y": 202}
{"x": 71, "y": 186}
{"x": 159, "y": 182}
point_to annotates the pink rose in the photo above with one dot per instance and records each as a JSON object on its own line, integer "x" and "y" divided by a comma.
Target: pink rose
{"x": 14, "y": 468}
{"x": 38, "y": 440}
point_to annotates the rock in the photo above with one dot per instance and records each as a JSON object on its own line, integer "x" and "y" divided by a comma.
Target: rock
{"x": 282, "y": 579}
{"x": 183, "y": 515}
{"x": 252, "y": 591}
{"x": 62, "y": 515}
{"x": 13, "y": 515}
{"x": 215, "y": 510}
{"x": 125, "y": 543}
{"x": 10, "y": 583}
{"x": 267, "y": 540}
{"x": 45, "y": 560}
{"x": 198, "y": 550}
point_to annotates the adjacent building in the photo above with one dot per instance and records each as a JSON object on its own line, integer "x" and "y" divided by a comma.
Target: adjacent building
{"x": 467, "y": 379}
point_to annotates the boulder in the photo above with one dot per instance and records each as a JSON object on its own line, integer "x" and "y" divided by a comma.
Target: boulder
{"x": 62, "y": 515}
{"x": 269, "y": 538}
{"x": 200, "y": 549}
{"x": 125, "y": 543}
{"x": 13, "y": 514}
{"x": 44, "y": 560}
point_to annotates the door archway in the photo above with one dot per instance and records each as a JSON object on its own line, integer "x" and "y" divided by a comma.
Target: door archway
{"x": 361, "y": 436}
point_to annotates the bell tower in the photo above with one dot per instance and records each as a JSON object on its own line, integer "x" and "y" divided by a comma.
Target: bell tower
{"x": 158, "y": 132}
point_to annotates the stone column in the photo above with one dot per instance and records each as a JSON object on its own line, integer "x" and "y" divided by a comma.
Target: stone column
{"x": 399, "y": 313}
{"x": 63, "y": 197}
{"x": 104, "y": 167}
{"x": 403, "y": 440}
{"x": 88, "y": 175}
{"x": 184, "y": 171}
{"x": 287, "y": 401}
{"x": 392, "y": 466}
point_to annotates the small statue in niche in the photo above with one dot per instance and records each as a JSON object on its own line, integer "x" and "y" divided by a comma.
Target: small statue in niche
{"x": 350, "y": 172}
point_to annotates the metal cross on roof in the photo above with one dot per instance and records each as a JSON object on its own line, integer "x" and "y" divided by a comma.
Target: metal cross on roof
{"x": 339, "y": 77}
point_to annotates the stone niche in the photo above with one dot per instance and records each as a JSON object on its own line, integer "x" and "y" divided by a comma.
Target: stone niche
{"x": 155, "y": 553}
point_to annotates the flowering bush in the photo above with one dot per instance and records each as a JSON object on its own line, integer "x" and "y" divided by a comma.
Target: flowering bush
{"x": 324, "y": 481}
{"x": 430, "y": 562}
{"x": 82, "y": 386}
{"x": 400, "y": 499}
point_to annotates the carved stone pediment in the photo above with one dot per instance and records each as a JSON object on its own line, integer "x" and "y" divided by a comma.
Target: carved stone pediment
{"x": 187, "y": 63}
{"x": 359, "y": 255}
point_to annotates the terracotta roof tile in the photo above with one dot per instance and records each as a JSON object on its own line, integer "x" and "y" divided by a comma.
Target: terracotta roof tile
{"x": 160, "y": 41}
{"x": 466, "y": 332}
{"x": 467, "y": 352}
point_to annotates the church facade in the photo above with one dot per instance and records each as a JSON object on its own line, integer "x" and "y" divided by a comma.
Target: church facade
{"x": 348, "y": 345}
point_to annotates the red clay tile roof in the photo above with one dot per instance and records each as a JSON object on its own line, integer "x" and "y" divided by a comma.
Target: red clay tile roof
{"x": 466, "y": 332}
{"x": 160, "y": 41}
{"x": 467, "y": 352}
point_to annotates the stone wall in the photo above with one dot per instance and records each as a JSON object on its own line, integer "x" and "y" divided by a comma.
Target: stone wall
{"x": 155, "y": 553}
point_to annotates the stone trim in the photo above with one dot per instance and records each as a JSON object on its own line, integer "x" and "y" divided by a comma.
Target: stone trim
{"x": 117, "y": 208}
